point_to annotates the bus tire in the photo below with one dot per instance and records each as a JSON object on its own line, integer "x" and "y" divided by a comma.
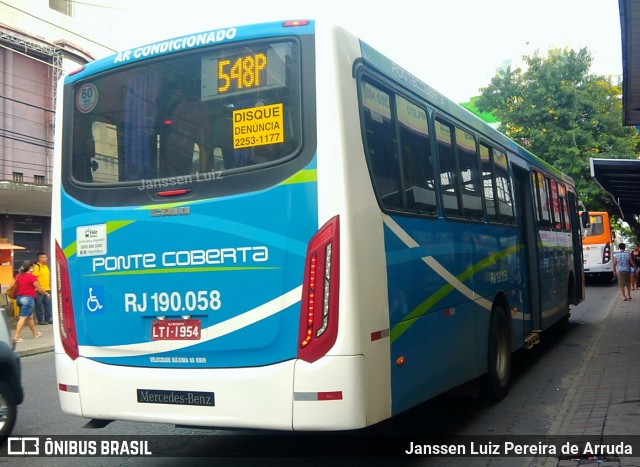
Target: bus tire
{"x": 494, "y": 384}
{"x": 563, "y": 323}
{"x": 8, "y": 411}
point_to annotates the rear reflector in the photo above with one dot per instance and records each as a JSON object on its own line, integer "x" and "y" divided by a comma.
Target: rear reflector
{"x": 317, "y": 396}
{"x": 330, "y": 396}
{"x": 67, "y": 387}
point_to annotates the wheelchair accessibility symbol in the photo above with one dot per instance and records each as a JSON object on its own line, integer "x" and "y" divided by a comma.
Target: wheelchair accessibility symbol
{"x": 94, "y": 298}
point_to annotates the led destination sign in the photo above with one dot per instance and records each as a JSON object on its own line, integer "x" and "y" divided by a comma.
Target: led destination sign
{"x": 244, "y": 69}
{"x": 244, "y": 72}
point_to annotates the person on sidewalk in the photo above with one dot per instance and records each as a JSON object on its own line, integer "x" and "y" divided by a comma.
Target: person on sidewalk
{"x": 635, "y": 258}
{"x": 622, "y": 264}
{"x": 43, "y": 302}
{"x": 27, "y": 287}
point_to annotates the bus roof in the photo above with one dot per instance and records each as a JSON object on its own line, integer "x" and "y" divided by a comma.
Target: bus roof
{"x": 193, "y": 41}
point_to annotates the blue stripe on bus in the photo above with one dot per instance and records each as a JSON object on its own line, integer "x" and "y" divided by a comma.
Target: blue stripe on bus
{"x": 434, "y": 324}
{"x": 411, "y": 280}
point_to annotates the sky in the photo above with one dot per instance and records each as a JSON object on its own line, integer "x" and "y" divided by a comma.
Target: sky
{"x": 455, "y": 46}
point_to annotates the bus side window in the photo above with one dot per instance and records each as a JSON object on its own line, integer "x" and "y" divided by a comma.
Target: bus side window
{"x": 417, "y": 165}
{"x": 565, "y": 208}
{"x": 448, "y": 170}
{"x": 469, "y": 175}
{"x": 381, "y": 147}
{"x": 556, "y": 212}
{"x": 488, "y": 182}
{"x": 503, "y": 187}
{"x": 542, "y": 200}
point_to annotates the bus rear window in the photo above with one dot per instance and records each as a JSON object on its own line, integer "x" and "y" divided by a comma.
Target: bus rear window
{"x": 596, "y": 228}
{"x": 224, "y": 110}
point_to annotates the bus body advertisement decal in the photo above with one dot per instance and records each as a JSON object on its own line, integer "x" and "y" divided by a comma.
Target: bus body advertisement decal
{"x": 91, "y": 240}
{"x": 242, "y": 320}
{"x": 234, "y": 282}
{"x": 469, "y": 283}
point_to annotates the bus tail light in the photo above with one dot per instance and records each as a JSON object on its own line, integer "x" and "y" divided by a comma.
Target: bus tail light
{"x": 296, "y": 22}
{"x": 606, "y": 253}
{"x": 66, "y": 322}
{"x": 77, "y": 70}
{"x": 319, "y": 306}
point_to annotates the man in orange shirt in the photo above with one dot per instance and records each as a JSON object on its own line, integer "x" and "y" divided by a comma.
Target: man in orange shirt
{"x": 43, "y": 301}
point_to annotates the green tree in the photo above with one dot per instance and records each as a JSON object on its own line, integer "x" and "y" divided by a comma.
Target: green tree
{"x": 563, "y": 114}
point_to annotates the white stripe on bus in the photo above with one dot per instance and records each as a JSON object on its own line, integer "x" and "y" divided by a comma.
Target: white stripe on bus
{"x": 437, "y": 267}
{"x": 243, "y": 320}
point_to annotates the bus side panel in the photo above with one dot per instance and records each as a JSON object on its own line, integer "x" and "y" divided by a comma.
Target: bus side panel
{"x": 436, "y": 351}
{"x": 443, "y": 277}
{"x": 564, "y": 269}
{"x": 344, "y": 187}
{"x": 555, "y": 264}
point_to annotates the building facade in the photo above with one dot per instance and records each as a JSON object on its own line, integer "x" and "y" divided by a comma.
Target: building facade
{"x": 40, "y": 40}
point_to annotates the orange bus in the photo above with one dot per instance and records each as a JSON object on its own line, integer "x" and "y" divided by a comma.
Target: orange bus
{"x": 597, "y": 246}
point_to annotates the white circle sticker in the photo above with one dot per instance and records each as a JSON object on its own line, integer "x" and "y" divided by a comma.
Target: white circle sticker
{"x": 87, "y": 98}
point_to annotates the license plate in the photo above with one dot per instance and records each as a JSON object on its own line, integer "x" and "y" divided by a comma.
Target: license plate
{"x": 175, "y": 329}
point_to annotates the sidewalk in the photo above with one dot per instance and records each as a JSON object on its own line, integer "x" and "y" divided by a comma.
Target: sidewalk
{"x": 31, "y": 346}
{"x": 605, "y": 399}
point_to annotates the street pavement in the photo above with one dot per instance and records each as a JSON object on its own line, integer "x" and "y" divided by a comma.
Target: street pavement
{"x": 604, "y": 402}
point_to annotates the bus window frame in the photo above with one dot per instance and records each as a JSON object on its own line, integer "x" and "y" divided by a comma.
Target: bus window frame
{"x": 493, "y": 148}
{"x": 259, "y": 176}
{"x": 447, "y": 120}
{"x": 363, "y": 74}
{"x": 542, "y": 182}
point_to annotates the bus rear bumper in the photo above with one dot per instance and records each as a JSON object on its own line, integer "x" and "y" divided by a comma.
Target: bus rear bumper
{"x": 326, "y": 395}
{"x": 199, "y": 397}
{"x": 330, "y": 394}
{"x": 67, "y": 378}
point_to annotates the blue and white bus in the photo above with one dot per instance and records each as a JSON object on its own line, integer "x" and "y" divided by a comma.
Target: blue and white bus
{"x": 275, "y": 226}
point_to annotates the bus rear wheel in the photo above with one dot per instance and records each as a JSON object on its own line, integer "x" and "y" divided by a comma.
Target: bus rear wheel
{"x": 8, "y": 411}
{"x": 495, "y": 384}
